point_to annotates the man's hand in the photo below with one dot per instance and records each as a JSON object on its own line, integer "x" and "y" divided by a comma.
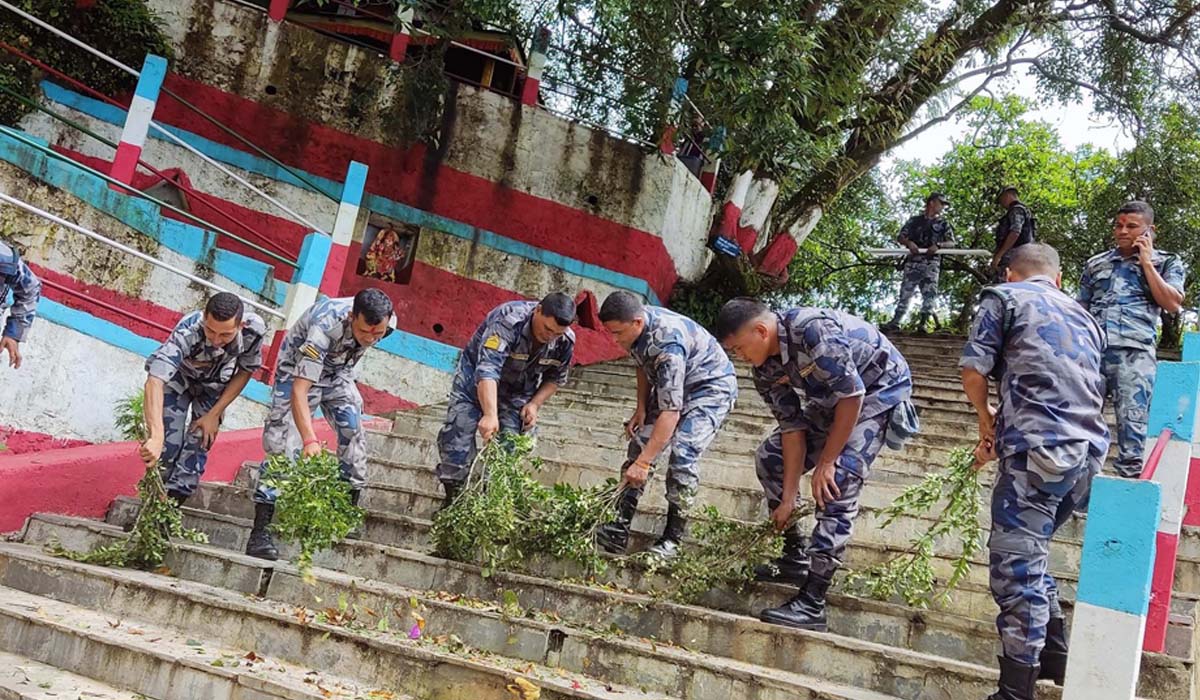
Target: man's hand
{"x": 781, "y": 515}
{"x": 987, "y": 426}
{"x": 932, "y": 250}
{"x": 912, "y": 247}
{"x": 209, "y": 425}
{"x": 635, "y": 422}
{"x": 488, "y": 427}
{"x": 151, "y": 450}
{"x": 1144, "y": 245}
{"x": 312, "y": 449}
{"x": 824, "y": 484}
{"x": 529, "y": 415}
{"x": 985, "y": 452}
{"x": 636, "y": 474}
{"x": 14, "y": 351}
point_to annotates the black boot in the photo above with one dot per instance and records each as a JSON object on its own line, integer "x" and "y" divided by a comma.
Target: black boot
{"x": 667, "y": 546}
{"x": 261, "y": 544}
{"x": 792, "y": 566}
{"x": 356, "y": 533}
{"x": 806, "y": 609}
{"x": 452, "y": 489}
{"x": 1017, "y": 681}
{"x": 891, "y": 326}
{"x": 923, "y": 324}
{"x": 179, "y": 498}
{"x": 614, "y": 537}
{"x": 1054, "y": 655}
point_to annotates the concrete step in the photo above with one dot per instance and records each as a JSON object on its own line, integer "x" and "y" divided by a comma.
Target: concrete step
{"x": 704, "y": 632}
{"x": 139, "y": 656}
{"x": 384, "y": 659}
{"x": 22, "y": 678}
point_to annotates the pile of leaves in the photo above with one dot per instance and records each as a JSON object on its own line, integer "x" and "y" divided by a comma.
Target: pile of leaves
{"x": 503, "y": 514}
{"x": 313, "y": 508}
{"x": 724, "y": 554}
{"x": 158, "y": 520}
{"x": 910, "y": 575}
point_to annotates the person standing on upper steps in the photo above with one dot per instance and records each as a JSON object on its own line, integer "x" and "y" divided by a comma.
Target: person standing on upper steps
{"x": 1050, "y": 437}
{"x": 1127, "y": 289}
{"x": 686, "y": 387}
{"x": 840, "y": 390}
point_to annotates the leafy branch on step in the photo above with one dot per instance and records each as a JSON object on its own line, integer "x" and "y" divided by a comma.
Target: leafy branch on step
{"x": 910, "y": 575}
{"x": 313, "y": 508}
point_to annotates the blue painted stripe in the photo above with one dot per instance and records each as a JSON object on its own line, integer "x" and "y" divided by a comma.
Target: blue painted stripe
{"x": 154, "y": 71}
{"x": 439, "y": 356}
{"x": 382, "y": 205}
{"x": 1191, "y": 346}
{"x": 356, "y": 184}
{"x": 1173, "y": 402}
{"x": 1119, "y": 545}
{"x": 112, "y": 334}
{"x": 314, "y": 254}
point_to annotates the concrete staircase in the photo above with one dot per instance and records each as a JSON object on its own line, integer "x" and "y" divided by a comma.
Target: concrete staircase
{"x": 218, "y": 624}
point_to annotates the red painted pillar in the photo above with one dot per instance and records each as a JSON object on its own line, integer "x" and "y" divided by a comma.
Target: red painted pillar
{"x": 278, "y": 9}
{"x": 400, "y": 39}
{"x": 667, "y": 142}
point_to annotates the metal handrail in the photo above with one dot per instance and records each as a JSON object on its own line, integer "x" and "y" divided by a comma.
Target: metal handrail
{"x": 5, "y": 197}
{"x": 158, "y": 127}
{"x": 104, "y": 305}
{"x": 138, "y": 193}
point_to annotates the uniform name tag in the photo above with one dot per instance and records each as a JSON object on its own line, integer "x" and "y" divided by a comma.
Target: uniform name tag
{"x": 548, "y": 361}
{"x": 519, "y": 356}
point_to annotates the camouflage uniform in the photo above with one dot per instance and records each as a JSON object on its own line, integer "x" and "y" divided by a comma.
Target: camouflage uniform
{"x": 501, "y": 349}
{"x": 922, "y": 270}
{"x": 194, "y": 374}
{"x": 826, "y": 356}
{"x": 1051, "y": 438}
{"x": 1017, "y": 218}
{"x": 1114, "y": 289}
{"x": 688, "y": 371}
{"x": 26, "y": 289}
{"x": 320, "y": 347}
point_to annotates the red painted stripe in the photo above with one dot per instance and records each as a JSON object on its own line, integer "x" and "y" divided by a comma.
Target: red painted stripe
{"x": 125, "y": 162}
{"x": 1161, "y": 586}
{"x": 138, "y": 308}
{"x": 1191, "y": 496}
{"x": 408, "y": 176}
{"x": 19, "y": 442}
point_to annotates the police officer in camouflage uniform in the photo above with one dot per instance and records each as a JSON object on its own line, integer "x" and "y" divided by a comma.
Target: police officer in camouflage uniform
{"x": 26, "y": 289}
{"x": 839, "y": 389}
{"x": 316, "y": 368}
{"x": 516, "y": 360}
{"x": 923, "y": 235}
{"x": 1050, "y": 437}
{"x": 1015, "y": 229}
{"x": 686, "y": 388}
{"x": 1127, "y": 289}
{"x": 202, "y": 367}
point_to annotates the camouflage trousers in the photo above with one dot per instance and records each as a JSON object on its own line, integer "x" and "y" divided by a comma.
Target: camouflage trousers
{"x": 1129, "y": 375}
{"x": 834, "y": 522}
{"x": 922, "y": 273}
{"x": 704, "y": 411}
{"x": 341, "y": 405}
{"x": 1034, "y": 494}
{"x": 456, "y": 440}
{"x": 183, "y": 455}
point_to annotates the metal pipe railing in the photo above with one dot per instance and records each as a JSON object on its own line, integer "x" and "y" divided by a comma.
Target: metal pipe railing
{"x": 104, "y": 305}
{"x": 9, "y": 199}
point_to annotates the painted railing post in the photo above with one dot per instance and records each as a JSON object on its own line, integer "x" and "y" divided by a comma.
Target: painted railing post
{"x": 302, "y": 293}
{"x": 666, "y": 144}
{"x": 1173, "y": 408}
{"x": 537, "y": 64}
{"x": 724, "y": 237}
{"x": 1191, "y": 500}
{"x": 137, "y": 119}
{"x": 343, "y": 228}
{"x": 1114, "y": 590}
{"x": 712, "y": 164}
{"x": 277, "y": 10}
{"x": 401, "y": 35}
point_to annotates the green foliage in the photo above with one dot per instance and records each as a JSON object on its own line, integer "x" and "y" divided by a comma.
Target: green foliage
{"x": 124, "y": 29}
{"x": 910, "y": 575}
{"x": 313, "y": 508}
{"x": 158, "y": 520}
{"x": 723, "y": 555}
{"x": 503, "y": 515}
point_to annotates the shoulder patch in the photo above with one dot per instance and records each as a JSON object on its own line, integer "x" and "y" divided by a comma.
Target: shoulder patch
{"x": 310, "y": 350}
{"x": 492, "y": 343}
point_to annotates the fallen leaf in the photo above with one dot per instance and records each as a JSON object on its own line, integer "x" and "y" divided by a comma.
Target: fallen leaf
{"x": 524, "y": 690}
{"x": 114, "y": 625}
{"x": 415, "y": 632}
{"x": 576, "y": 685}
{"x": 251, "y": 656}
